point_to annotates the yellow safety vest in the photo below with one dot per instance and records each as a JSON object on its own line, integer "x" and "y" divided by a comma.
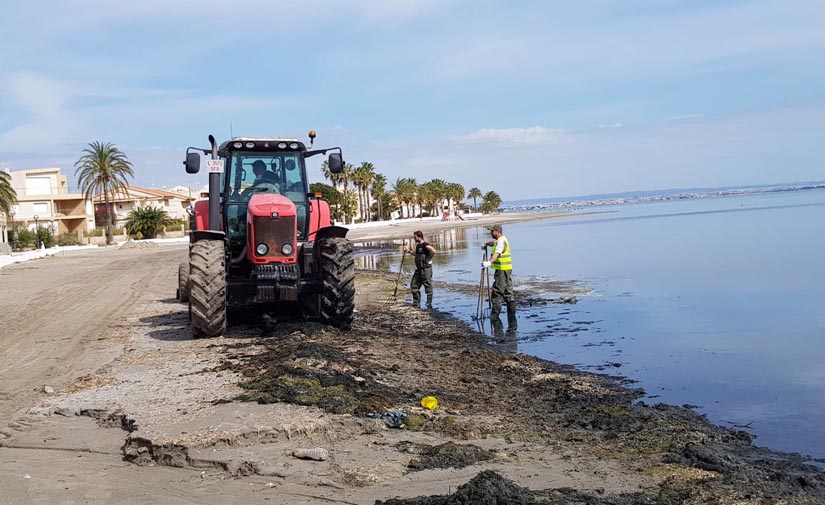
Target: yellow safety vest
{"x": 504, "y": 262}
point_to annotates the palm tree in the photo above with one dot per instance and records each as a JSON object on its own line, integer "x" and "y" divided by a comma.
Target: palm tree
{"x": 7, "y": 193}
{"x": 349, "y": 199}
{"x": 455, "y": 192}
{"x": 398, "y": 189}
{"x": 367, "y": 178}
{"x": 491, "y": 202}
{"x": 405, "y": 191}
{"x": 362, "y": 178}
{"x": 474, "y": 193}
{"x": 333, "y": 178}
{"x": 426, "y": 198}
{"x": 103, "y": 168}
{"x": 379, "y": 189}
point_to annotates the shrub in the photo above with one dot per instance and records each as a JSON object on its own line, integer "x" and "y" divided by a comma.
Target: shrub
{"x": 147, "y": 221}
{"x": 45, "y": 236}
{"x": 24, "y": 237}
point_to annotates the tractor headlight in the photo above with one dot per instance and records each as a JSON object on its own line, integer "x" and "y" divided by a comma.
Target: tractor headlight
{"x": 282, "y": 145}
{"x": 237, "y": 145}
{"x": 262, "y": 249}
{"x": 293, "y": 145}
{"x": 286, "y": 249}
{"x": 250, "y": 145}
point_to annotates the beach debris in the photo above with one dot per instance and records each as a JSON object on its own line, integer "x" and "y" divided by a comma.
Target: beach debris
{"x": 316, "y": 453}
{"x": 48, "y": 390}
{"x": 393, "y": 418}
{"x": 429, "y": 402}
{"x": 27, "y": 476}
{"x": 566, "y": 299}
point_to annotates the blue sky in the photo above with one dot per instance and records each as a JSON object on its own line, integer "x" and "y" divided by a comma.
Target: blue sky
{"x": 528, "y": 98}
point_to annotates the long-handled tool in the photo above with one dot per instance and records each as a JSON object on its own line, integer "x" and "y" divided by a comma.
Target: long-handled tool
{"x": 483, "y": 290}
{"x": 394, "y": 297}
{"x": 489, "y": 286}
{"x": 480, "y": 305}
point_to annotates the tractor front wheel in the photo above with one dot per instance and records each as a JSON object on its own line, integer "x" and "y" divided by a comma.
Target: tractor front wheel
{"x": 207, "y": 288}
{"x": 183, "y": 282}
{"x": 338, "y": 277}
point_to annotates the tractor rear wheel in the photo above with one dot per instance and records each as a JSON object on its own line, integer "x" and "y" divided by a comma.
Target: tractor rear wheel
{"x": 183, "y": 282}
{"x": 207, "y": 288}
{"x": 337, "y": 300}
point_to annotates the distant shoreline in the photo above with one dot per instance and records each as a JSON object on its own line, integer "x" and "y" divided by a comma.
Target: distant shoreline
{"x": 618, "y": 199}
{"x": 404, "y": 228}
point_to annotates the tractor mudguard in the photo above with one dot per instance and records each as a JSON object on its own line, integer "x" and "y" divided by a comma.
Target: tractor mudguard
{"x": 331, "y": 231}
{"x": 196, "y": 235}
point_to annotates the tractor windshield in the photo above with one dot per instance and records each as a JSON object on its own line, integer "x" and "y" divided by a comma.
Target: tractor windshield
{"x": 248, "y": 173}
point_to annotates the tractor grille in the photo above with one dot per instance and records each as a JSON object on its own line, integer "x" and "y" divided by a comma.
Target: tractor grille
{"x": 276, "y": 272}
{"x": 274, "y": 232}
{"x": 276, "y": 282}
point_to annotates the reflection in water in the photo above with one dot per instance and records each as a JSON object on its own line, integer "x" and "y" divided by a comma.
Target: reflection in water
{"x": 385, "y": 255}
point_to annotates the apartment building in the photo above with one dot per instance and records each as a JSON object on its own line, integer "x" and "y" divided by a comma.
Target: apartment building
{"x": 45, "y": 198}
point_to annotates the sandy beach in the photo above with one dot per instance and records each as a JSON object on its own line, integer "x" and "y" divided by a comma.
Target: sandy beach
{"x": 111, "y": 400}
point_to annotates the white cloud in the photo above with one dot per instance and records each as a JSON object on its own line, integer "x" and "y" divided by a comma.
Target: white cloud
{"x": 515, "y": 136}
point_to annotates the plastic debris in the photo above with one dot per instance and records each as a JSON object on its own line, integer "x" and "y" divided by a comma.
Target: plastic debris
{"x": 316, "y": 453}
{"x": 48, "y": 390}
{"x": 429, "y": 402}
{"x": 395, "y": 419}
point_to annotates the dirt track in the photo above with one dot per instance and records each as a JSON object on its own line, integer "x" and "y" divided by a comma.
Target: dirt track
{"x": 62, "y": 317}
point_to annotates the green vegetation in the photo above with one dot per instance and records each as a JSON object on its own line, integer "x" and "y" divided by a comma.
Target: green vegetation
{"x": 491, "y": 202}
{"x": 103, "y": 168}
{"x": 146, "y": 221}
{"x": 475, "y": 194}
{"x": 405, "y": 196}
{"x": 23, "y": 238}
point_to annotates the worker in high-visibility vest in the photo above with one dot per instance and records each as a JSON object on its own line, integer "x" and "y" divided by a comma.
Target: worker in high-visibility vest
{"x": 501, "y": 262}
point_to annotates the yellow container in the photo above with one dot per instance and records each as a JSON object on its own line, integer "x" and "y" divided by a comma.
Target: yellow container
{"x": 429, "y": 402}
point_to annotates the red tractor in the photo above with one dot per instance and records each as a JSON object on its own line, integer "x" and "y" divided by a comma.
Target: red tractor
{"x": 262, "y": 238}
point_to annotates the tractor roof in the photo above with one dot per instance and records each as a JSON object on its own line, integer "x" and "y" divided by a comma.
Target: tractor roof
{"x": 261, "y": 143}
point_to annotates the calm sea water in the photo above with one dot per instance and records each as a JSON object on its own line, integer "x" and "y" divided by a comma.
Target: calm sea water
{"x": 717, "y": 303}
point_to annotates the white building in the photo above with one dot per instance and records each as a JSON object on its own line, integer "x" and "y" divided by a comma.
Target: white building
{"x": 45, "y": 198}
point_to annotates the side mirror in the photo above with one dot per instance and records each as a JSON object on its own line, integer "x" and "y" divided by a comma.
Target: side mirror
{"x": 193, "y": 163}
{"x": 336, "y": 163}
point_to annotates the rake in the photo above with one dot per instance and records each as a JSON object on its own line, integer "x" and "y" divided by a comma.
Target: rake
{"x": 482, "y": 291}
{"x": 394, "y": 297}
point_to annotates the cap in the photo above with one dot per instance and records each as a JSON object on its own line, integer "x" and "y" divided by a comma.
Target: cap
{"x": 495, "y": 227}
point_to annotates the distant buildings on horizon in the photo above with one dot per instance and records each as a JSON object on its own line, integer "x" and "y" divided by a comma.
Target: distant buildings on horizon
{"x": 573, "y": 204}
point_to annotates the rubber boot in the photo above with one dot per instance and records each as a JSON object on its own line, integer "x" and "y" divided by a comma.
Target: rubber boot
{"x": 416, "y": 295}
{"x": 429, "y": 301}
{"x": 495, "y": 320}
{"x": 512, "y": 322}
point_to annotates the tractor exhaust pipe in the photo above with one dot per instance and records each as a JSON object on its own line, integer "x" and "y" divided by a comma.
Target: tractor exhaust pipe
{"x": 214, "y": 192}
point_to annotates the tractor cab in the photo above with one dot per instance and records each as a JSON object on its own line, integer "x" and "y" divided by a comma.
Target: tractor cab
{"x": 266, "y": 204}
